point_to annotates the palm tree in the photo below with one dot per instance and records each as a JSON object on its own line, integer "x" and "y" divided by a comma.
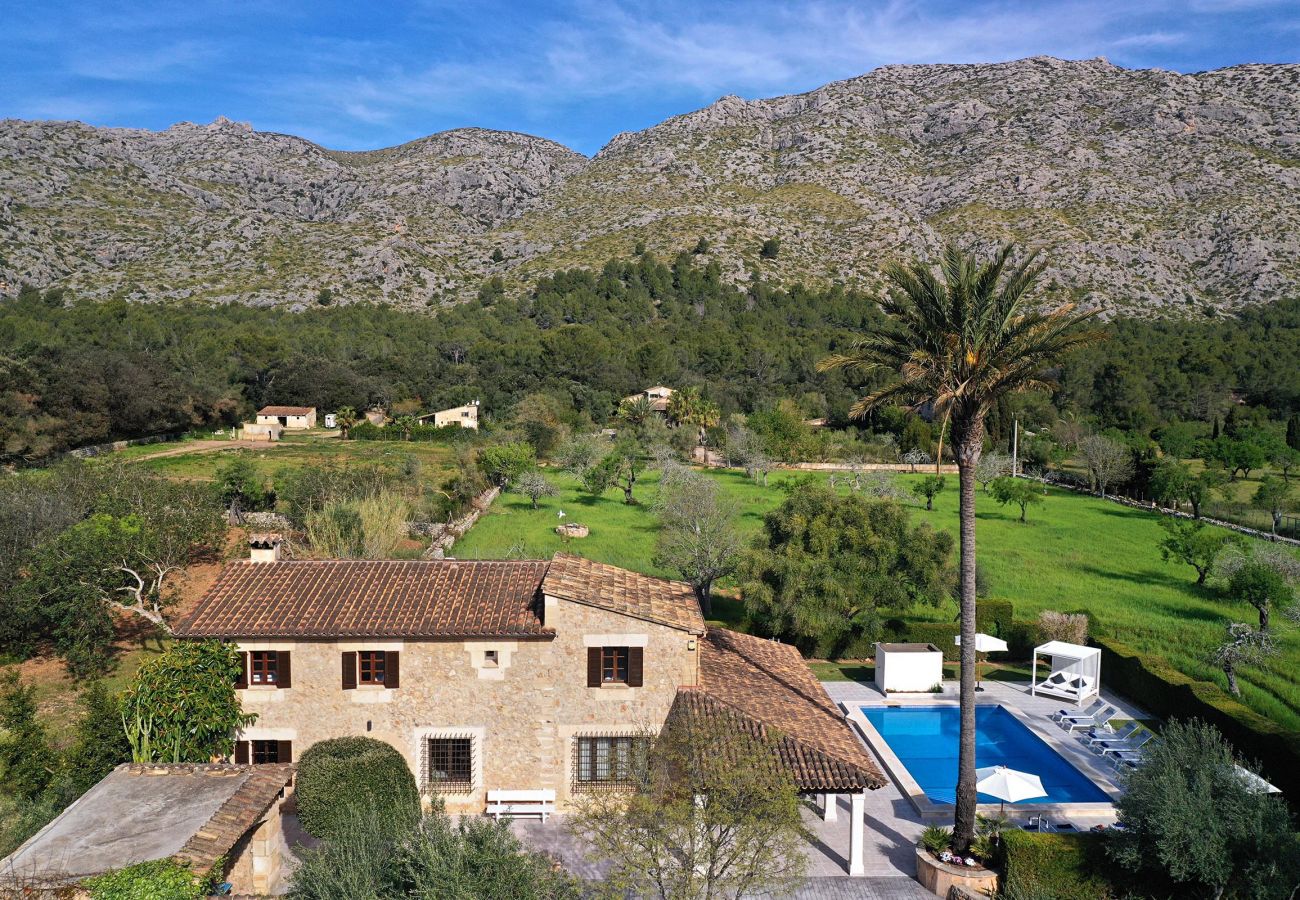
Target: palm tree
{"x": 961, "y": 339}
{"x": 346, "y": 418}
{"x": 405, "y": 424}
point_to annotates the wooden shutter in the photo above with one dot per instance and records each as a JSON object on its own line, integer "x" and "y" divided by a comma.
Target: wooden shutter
{"x": 283, "y": 679}
{"x": 391, "y": 679}
{"x": 241, "y": 681}
{"x": 241, "y": 753}
{"x": 349, "y": 670}
{"x": 635, "y": 666}
{"x": 284, "y": 752}
{"x": 593, "y": 667}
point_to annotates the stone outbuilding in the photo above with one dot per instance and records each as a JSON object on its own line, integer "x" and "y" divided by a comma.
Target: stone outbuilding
{"x": 292, "y": 418}
{"x": 196, "y": 814}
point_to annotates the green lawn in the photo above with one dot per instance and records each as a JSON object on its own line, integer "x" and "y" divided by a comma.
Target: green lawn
{"x": 1075, "y": 553}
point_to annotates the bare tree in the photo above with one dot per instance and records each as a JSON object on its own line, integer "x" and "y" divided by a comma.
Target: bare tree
{"x": 1245, "y": 645}
{"x": 698, "y": 536}
{"x": 916, "y": 457}
{"x": 1108, "y": 462}
{"x": 992, "y": 465}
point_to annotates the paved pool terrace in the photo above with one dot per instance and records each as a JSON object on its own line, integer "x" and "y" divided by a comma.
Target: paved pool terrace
{"x": 1029, "y": 710}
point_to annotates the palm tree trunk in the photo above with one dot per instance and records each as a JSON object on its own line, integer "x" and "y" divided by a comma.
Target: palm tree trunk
{"x": 968, "y": 454}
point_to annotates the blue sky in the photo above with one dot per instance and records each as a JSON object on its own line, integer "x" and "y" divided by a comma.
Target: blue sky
{"x": 355, "y": 75}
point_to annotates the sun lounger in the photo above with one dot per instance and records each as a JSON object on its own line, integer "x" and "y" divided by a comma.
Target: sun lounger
{"x": 1069, "y": 723}
{"x": 1129, "y": 745}
{"x": 1104, "y": 736}
{"x": 1096, "y": 707}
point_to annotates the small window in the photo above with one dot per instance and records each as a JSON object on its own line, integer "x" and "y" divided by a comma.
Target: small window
{"x": 490, "y": 659}
{"x": 613, "y": 665}
{"x": 264, "y": 751}
{"x": 607, "y": 761}
{"x": 264, "y": 667}
{"x": 451, "y": 764}
{"x": 372, "y": 666}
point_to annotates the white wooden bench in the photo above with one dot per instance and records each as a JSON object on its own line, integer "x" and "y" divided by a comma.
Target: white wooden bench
{"x": 520, "y": 803}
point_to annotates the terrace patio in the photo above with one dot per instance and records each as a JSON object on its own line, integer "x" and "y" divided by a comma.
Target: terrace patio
{"x": 893, "y": 822}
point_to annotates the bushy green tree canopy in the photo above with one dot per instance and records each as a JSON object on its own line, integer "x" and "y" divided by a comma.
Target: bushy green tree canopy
{"x": 826, "y": 565}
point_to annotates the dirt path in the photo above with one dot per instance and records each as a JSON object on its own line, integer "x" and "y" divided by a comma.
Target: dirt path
{"x": 208, "y": 447}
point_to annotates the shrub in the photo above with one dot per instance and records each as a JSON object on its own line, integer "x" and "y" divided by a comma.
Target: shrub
{"x": 936, "y": 839}
{"x": 160, "y": 879}
{"x": 1055, "y": 867}
{"x": 1058, "y": 626}
{"x": 337, "y": 776}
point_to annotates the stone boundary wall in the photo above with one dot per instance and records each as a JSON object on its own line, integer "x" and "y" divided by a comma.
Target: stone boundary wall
{"x": 114, "y": 446}
{"x": 1164, "y": 510}
{"x": 445, "y": 536}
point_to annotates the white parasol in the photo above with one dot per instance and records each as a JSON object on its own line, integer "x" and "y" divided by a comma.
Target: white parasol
{"x": 984, "y": 643}
{"x": 1008, "y": 785}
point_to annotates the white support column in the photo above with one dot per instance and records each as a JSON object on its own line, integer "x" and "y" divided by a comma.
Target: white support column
{"x": 830, "y": 802}
{"x": 857, "y": 829}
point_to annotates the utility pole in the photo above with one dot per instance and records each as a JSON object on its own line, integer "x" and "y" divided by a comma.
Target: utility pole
{"x": 1015, "y": 448}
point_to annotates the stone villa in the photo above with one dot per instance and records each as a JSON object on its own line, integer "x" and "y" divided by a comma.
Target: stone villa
{"x": 659, "y": 396}
{"x": 463, "y": 416}
{"x": 508, "y": 675}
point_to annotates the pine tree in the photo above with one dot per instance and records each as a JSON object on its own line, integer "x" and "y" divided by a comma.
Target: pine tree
{"x": 1293, "y": 432}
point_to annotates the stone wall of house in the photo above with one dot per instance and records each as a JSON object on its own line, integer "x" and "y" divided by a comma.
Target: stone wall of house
{"x": 256, "y": 864}
{"x": 523, "y": 714}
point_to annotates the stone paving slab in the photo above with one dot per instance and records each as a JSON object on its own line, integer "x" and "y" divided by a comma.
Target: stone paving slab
{"x": 879, "y": 888}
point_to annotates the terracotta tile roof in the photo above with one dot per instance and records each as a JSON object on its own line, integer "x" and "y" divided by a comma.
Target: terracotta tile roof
{"x": 244, "y": 809}
{"x": 770, "y": 687}
{"x": 286, "y": 410}
{"x": 670, "y": 603}
{"x": 363, "y": 598}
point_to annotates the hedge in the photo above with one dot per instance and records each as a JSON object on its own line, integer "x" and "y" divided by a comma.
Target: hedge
{"x": 1169, "y": 693}
{"x": 992, "y": 616}
{"x": 367, "y": 431}
{"x": 1056, "y": 867}
{"x": 341, "y": 776}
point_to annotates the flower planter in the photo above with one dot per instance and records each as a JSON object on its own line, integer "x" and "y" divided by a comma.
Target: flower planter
{"x": 572, "y": 531}
{"x": 938, "y": 877}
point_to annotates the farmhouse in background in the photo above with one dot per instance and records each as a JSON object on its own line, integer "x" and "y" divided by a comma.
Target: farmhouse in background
{"x": 288, "y": 417}
{"x": 510, "y": 677}
{"x": 465, "y": 416}
{"x": 657, "y": 395}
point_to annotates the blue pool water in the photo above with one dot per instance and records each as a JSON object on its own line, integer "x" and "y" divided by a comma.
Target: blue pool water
{"x": 925, "y": 739}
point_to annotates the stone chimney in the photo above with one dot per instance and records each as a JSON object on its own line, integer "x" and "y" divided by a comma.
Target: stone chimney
{"x": 264, "y": 548}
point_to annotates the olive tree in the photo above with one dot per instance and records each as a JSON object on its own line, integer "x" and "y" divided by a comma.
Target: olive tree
{"x": 708, "y": 813}
{"x": 698, "y": 537}
{"x": 1195, "y": 827}
{"x": 534, "y": 485}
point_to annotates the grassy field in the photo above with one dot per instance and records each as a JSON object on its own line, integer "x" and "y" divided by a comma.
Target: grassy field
{"x": 1075, "y": 553}
{"x": 296, "y": 451}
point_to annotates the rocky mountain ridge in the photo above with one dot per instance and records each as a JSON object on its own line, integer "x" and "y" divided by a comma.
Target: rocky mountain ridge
{"x": 1148, "y": 191}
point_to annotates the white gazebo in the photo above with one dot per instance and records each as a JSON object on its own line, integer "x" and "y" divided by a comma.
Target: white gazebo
{"x": 1075, "y": 675}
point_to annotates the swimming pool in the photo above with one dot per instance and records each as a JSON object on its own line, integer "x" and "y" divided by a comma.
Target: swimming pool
{"x": 925, "y": 739}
